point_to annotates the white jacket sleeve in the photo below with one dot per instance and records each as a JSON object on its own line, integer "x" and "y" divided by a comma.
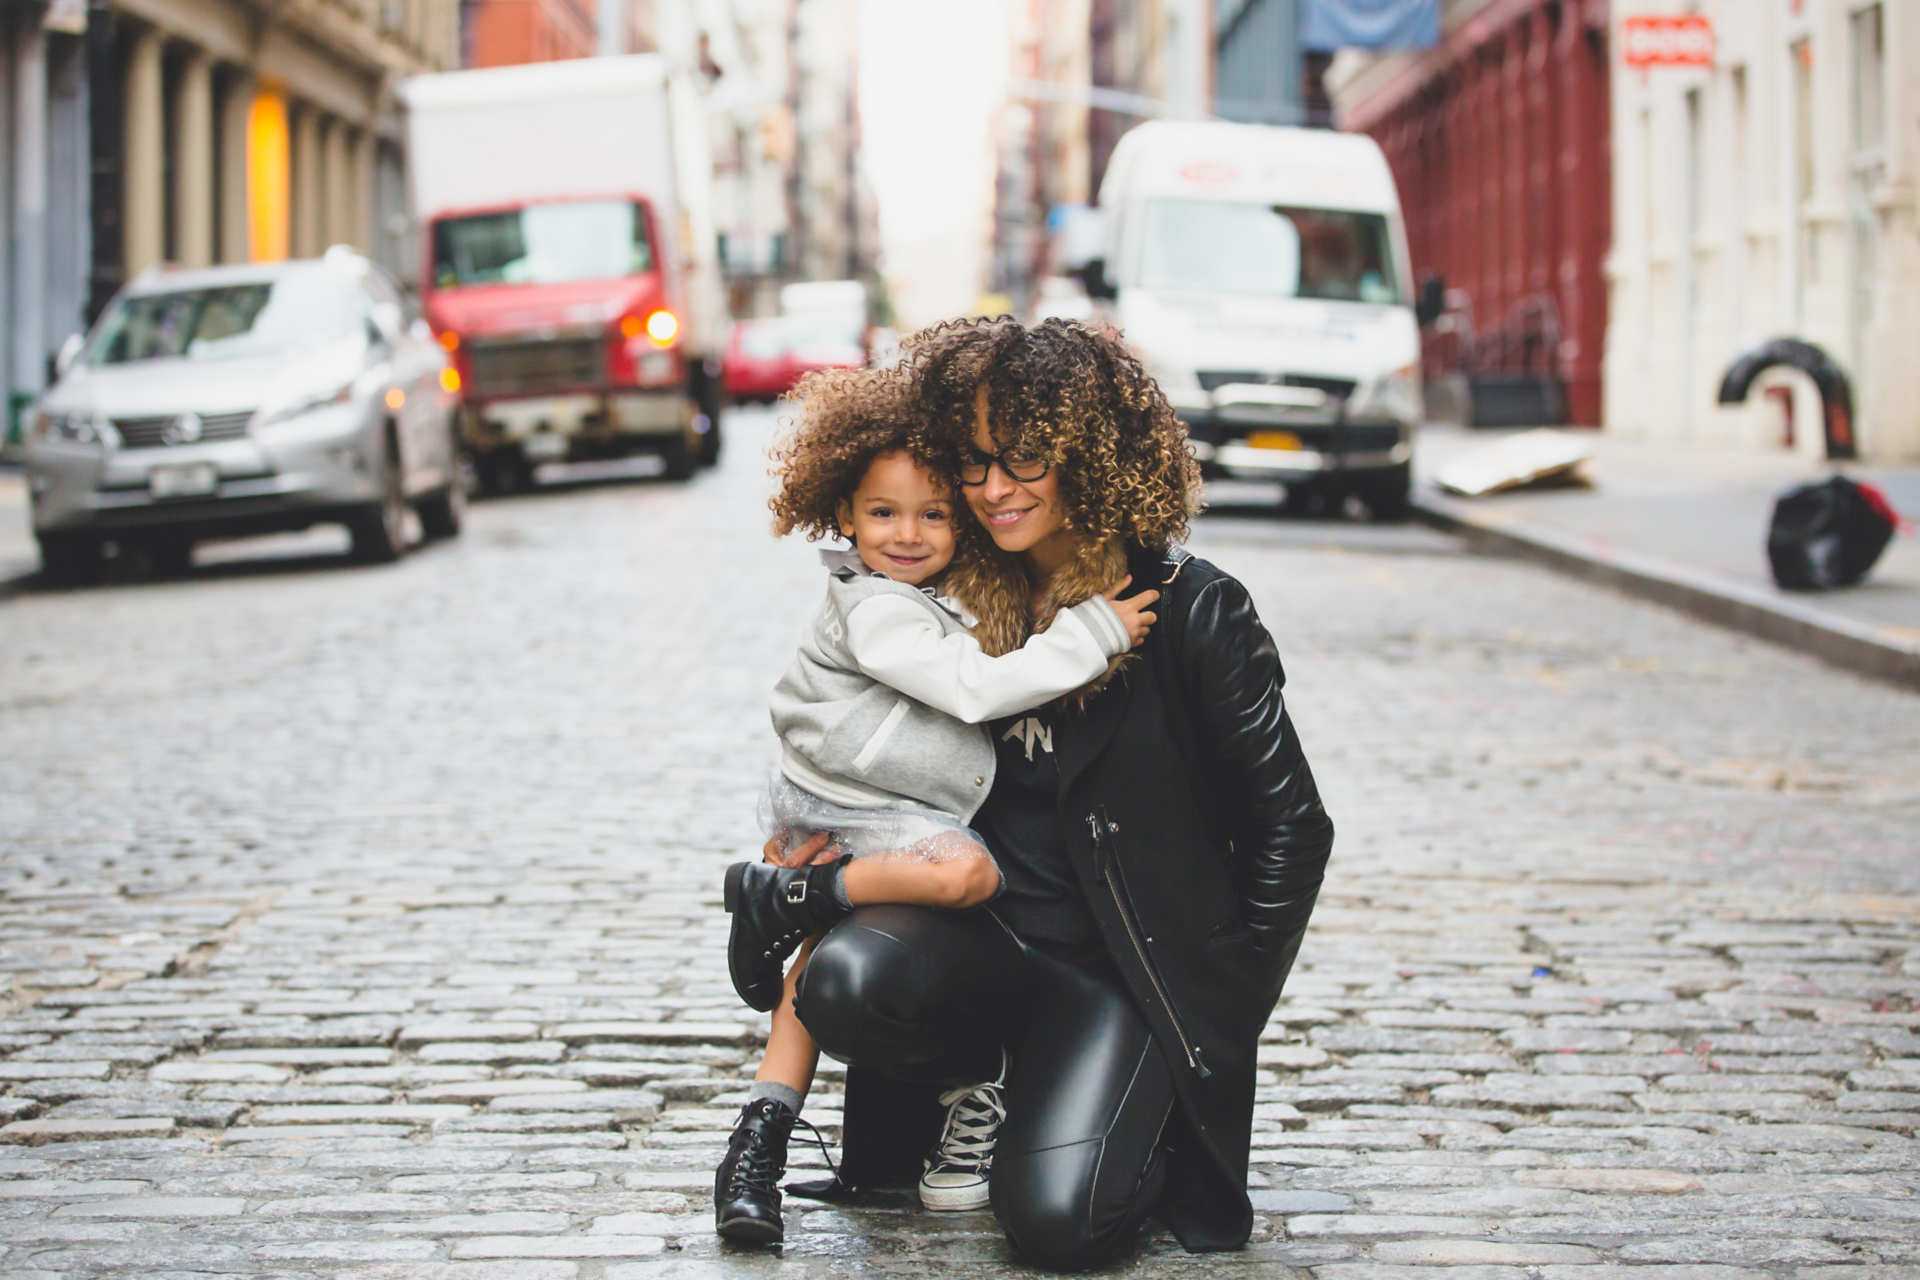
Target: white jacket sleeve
{"x": 895, "y": 641}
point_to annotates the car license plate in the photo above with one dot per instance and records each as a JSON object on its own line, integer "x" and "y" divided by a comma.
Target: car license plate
{"x": 545, "y": 446}
{"x": 192, "y": 481}
{"x": 1274, "y": 440}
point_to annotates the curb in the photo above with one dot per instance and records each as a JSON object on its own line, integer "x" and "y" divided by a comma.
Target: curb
{"x": 1863, "y": 650}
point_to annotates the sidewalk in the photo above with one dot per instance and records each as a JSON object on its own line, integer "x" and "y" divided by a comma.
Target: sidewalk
{"x": 19, "y": 556}
{"x": 1687, "y": 527}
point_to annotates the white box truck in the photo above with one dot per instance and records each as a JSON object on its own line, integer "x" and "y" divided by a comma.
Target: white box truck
{"x": 1262, "y": 275}
{"x": 569, "y": 261}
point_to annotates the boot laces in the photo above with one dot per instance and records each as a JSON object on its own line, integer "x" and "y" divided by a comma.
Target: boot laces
{"x": 974, "y": 1113}
{"x": 758, "y": 1171}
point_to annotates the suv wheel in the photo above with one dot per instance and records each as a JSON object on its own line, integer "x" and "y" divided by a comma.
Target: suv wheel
{"x": 380, "y": 529}
{"x": 443, "y": 511}
{"x": 67, "y": 559}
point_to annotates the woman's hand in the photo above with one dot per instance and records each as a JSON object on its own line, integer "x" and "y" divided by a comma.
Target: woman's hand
{"x": 804, "y": 854}
{"x": 1133, "y": 612}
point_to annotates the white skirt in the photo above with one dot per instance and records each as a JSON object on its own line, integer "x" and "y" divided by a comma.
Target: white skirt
{"x": 792, "y": 814}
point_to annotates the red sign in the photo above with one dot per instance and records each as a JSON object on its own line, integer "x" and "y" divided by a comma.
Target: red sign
{"x": 1649, "y": 41}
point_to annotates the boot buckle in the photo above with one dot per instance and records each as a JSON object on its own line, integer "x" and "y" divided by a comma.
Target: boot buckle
{"x": 797, "y": 891}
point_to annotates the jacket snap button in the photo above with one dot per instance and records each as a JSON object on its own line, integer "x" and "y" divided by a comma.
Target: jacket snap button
{"x": 1113, "y": 828}
{"x": 980, "y": 781}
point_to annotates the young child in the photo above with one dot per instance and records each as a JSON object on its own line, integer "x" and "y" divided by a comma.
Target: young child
{"x": 884, "y": 752}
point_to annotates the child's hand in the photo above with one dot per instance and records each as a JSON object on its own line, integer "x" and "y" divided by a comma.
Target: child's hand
{"x": 1134, "y": 615}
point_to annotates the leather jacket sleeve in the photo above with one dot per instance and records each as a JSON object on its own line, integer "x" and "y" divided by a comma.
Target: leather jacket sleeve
{"x": 1282, "y": 836}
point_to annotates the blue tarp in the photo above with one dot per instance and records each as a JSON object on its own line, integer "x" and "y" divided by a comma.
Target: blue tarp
{"x": 1326, "y": 25}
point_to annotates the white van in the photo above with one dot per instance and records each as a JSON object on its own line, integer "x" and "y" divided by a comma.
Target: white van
{"x": 1262, "y": 275}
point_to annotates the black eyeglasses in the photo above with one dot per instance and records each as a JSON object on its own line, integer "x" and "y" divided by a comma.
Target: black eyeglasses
{"x": 1021, "y": 464}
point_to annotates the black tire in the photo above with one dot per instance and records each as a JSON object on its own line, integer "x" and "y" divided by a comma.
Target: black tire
{"x": 710, "y": 444}
{"x": 379, "y": 529}
{"x": 681, "y": 456}
{"x": 503, "y": 471}
{"x": 710, "y": 398}
{"x": 69, "y": 559}
{"x": 171, "y": 557}
{"x": 1388, "y": 494}
{"x": 444, "y": 510}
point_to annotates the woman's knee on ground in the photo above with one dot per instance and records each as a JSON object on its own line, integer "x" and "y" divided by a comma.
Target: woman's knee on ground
{"x": 1045, "y": 1202}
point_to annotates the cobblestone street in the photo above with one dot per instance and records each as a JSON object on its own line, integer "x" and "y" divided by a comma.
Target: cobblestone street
{"x": 365, "y": 922}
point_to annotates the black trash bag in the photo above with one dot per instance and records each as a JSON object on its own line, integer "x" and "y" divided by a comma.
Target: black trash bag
{"x": 1828, "y": 534}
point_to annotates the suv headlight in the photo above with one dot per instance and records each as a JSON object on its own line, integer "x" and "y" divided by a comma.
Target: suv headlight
{"x": 75, "y": 428}
{"x": 307, "y": 404}
{"x": 1396, "y": 395}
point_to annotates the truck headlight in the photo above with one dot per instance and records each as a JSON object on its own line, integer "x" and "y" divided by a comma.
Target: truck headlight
{"x": 1396, "y": 395}
{"x": 85, "y": 428}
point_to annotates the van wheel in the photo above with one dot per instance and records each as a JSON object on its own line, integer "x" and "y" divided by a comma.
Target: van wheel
{"x": 1388, "y": 494}
{"x": 68, "y": 559}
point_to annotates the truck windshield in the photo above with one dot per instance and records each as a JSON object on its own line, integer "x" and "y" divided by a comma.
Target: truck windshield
{"x": 301, "y": 309}
{"x": 1221, "y": 246}
{"x": 543, "y": 244}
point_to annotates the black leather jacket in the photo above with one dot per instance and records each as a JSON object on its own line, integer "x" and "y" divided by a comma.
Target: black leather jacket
{"x": 1199, "y": 837}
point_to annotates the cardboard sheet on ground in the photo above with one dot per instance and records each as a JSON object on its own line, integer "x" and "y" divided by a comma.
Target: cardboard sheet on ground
{"x": 1540, "y": 457}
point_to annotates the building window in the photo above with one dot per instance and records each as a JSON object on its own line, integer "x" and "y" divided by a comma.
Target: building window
{"x": 1869, "y": 78}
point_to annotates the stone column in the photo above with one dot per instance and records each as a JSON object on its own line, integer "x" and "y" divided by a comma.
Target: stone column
{"x": 236, "y": 114}
{"x": 308, "y": 208}
{"x": 143, "y": 194}
{"x": 360, "y": 190}
{"x": 193, "y": 163}
{"x": 336, "y": 182}
{"x": 28, "y": 310}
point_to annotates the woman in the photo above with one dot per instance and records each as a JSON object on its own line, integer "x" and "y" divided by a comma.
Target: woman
{"x": 1160, "y": 836}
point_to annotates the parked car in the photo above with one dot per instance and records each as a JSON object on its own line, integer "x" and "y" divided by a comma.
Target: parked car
{"x": 759, "y": 360}
{"x": 766, "y": 357}
{"x": 245, "y": 399}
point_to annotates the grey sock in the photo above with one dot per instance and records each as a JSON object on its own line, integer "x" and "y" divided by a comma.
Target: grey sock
{"x": 840, "y": 891}
{"x": 786, "y": 1095}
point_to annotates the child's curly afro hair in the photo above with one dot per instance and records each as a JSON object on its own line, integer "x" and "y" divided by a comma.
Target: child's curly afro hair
{"x": 843, "y": 419}
{"x": 1075, "y": 395}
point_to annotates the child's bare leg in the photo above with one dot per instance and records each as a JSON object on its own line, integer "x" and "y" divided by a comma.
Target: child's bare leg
{"x": 791, "y": 1053}
{"x": 952, "y": 882}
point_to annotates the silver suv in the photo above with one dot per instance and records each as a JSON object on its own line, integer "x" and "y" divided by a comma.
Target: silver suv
{"x": 246, "y": 399}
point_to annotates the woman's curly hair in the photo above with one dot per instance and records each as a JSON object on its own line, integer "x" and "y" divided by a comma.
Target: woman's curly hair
{"x": 1076, "y": 396}
{"x": 843, "y": 420}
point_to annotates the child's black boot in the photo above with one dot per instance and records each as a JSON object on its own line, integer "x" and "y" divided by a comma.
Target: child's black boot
{"x": 746, "y": 1189}
{"x": 774, "y": 910}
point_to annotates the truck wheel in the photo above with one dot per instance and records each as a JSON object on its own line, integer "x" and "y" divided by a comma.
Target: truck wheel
{"x": 171, "y": 556}
{"x": 1388, "y": 493}
{"x": 379, "y": 529}
{"x": 710, "y": 444}
{"x": 68, "y": 559}
{"x": 503, "y": 471}
{"x": 680, "y": 456}
{"x": 442, "y": 511}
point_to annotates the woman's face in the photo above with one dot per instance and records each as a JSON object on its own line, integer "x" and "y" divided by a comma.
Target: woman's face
{"x": 1024, "y": 517}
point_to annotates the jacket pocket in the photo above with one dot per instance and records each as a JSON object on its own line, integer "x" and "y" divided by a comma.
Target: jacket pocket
{"x": 863, "y": 763}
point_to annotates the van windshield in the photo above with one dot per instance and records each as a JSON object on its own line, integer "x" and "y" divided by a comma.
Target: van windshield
{"x": 1220, "y": 246}
{"x": 543, "y": 244}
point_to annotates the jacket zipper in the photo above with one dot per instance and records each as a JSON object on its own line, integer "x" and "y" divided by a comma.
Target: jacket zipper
{"x": 1100, "y": 827}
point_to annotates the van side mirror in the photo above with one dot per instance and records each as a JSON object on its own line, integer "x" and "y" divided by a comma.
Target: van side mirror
{"x": 1094, "y": 276}
{"x": 1432, "y": 301}
{"x": 68, "y": 353}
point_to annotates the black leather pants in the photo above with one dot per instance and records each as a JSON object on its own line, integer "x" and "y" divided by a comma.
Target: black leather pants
{"x": 932, "y": 995}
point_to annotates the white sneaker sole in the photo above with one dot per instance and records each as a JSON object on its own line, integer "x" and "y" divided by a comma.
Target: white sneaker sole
{"x": 954, "y": 1199}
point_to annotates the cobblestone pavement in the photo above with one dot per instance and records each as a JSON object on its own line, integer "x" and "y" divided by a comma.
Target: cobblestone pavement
{"x": 363, "y": 922}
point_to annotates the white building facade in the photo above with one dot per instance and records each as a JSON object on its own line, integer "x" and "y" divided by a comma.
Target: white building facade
{"x": 1774, "y": 194}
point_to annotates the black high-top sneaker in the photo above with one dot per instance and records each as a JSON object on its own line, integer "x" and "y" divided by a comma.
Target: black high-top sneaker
{"x": 774, "y": 910}
{"x": 746, "y": 1188}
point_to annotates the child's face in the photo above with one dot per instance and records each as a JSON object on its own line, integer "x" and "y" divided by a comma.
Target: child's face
{"x": 900, "y": 520}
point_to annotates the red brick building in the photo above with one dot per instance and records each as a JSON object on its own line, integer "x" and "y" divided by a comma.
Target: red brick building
{"x": 1498, "y": 139}
{"x": 502, "y": 33}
